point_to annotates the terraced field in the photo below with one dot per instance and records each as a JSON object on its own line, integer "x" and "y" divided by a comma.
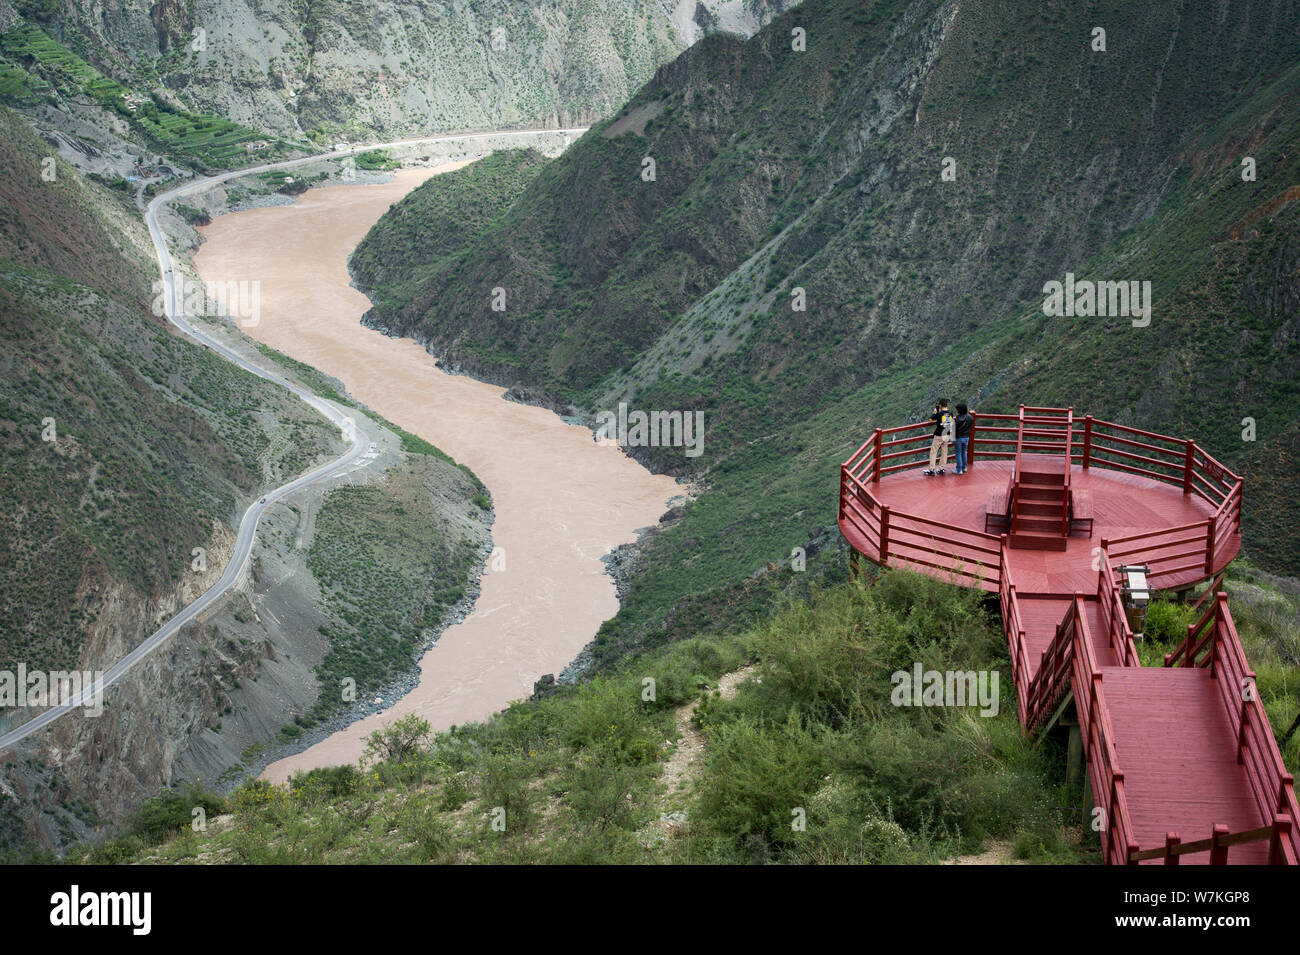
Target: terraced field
{"x": 35, "y": 65}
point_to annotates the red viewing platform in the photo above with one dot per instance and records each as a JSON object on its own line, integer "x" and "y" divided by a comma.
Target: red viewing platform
{"x": 1181, "y": 758}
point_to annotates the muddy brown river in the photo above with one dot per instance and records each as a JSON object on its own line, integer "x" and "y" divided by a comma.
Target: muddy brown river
{"x": 561, "y": 499}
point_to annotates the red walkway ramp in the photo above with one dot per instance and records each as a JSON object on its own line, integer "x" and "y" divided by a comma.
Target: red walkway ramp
{"x": 1181, "y": 759}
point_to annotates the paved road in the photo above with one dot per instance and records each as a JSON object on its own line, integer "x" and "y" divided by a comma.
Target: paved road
{"x": 359, "y": 442}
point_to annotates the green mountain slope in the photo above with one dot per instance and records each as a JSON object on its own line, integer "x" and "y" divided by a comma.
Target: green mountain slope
{"x": 821, "y": 171}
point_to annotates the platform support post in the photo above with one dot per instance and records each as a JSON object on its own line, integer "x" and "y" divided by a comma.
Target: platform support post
{"x": 1089, "y": 801}
{"x": 853, "y": 563}
{"x": 884, "y": 534}
{"x": 1074, "y": 753}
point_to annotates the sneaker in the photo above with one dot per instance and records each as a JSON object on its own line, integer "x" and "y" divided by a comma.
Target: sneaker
{"x": 943, "y": 470}
{"x": 928, "y": 472}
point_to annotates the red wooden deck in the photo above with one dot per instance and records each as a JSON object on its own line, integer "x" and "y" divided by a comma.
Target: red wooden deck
{"x": 1181, "y": 758}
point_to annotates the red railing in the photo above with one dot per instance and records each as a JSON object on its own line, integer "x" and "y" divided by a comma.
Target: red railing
{"x": 1111, "y": 606}
{"x": 1046, "y": 431}
{"x": 966, "y": 557}
{"x": 992, "y": 439}
{"x": 1176, "y": 461}
{"x": 1212, "y": 643}
{"x": 1278, "y": 834}
{"x": 1013, "y": 626}
{"x": 1168, "y": 552}
{"x": 1069, "y": 661}
{"x": 1055, "y": 672}
{"x": 1120, "y": 841}
{"x": 1017, "y": 471}
{"x": 1050, "y": 430}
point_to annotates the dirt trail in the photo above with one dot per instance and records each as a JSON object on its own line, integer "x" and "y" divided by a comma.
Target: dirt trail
{"x": 683, "y": 765}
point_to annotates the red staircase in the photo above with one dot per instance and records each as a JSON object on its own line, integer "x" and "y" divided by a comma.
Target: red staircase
{"x": 1040, "y": 494}
{"x": 1174, "y": 751}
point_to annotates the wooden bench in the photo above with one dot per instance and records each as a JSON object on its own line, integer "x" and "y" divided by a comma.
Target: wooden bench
{"x": 1081, "y": 510}
{"x": 995, "y": 512}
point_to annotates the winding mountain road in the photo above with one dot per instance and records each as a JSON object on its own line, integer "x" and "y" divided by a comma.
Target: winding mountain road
{"x": 358, "y": 440}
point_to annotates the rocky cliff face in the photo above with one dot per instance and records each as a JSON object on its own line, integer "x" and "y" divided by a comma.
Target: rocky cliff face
{"x": 89, "y": 770}
{"x": 392, "y": 67}
{"x": 210, "y": 705}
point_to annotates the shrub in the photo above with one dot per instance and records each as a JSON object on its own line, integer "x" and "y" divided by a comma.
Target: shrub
{"x": 397, "y": 741}
{"x": 503, "y": 784}
{"x": 608, "y": 717}
{"x": 756, "y": 777}
{"x": 1167, "y": 622}
{"x": 600, "y": 792}
{"x": 326, "y": 782}
{"x": 164, "y": 814}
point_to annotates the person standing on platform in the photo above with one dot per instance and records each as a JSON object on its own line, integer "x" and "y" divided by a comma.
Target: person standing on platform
{"x": 962, "y": 426}
{"x": 942, "y": 419}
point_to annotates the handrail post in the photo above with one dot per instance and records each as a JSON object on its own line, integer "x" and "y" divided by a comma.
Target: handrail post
{"x": 1020, "y": 439}
{"x": 1210, "y": 535}
{"x": 1172, "y": 842}
{"x": 875, "y": 466}
{"x": 1220, "y": 628}
{"x": 970, "y": 445}
{"x": 1112, "y": 802}
{"x": 1188, "y": 644}
{"x": 844, "y": 490}
{"x": 1188, "y": 462}
{"x": 1087, "y": 441}
{"x": 884, "y": 533}
{"x": 1218, "y": 852}
{"x": 1245, "y": 717}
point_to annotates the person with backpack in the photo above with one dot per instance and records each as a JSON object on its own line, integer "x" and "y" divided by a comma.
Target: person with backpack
{"x": 962, "y": 426}
{"x": 942, "y": 419}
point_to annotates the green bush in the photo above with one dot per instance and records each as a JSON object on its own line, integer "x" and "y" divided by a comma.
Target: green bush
{"x": 608, "y": 717}
{"x": 1166, "y": 622}
{"x": 170, "y": 811}
{"x": 758, "y": 779}
{"x": 326, "y": 782}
